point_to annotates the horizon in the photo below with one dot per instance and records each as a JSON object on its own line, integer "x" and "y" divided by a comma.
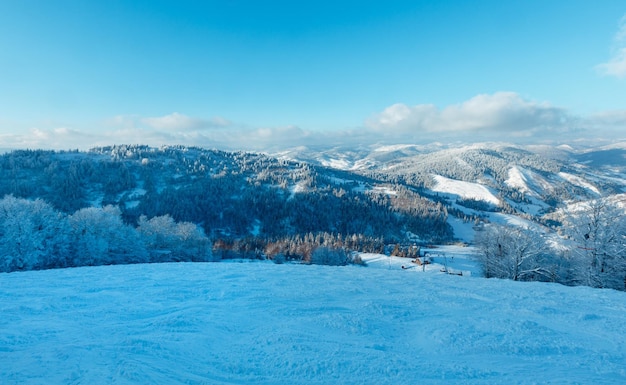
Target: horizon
{"x": 257, "y": 77}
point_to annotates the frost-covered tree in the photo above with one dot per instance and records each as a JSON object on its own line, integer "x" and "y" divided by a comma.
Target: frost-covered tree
{"x": 169, "y": 241}
{"x": 514, "y": 253}
{"x": 330, "y": 256}
{"x": 100, "y": 237}
{"x": 32, "y": 235}
{"x": 597, "y": 230}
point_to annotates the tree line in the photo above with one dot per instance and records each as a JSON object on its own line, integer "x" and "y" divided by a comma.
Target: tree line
{"x": 35, "y": 236}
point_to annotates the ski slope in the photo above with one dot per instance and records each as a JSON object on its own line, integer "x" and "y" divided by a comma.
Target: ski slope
{"x": 465, "y": 190}
{"x": 261, "y": 323}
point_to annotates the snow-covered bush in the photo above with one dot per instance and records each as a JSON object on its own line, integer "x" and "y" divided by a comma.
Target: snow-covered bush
{"x": 168, "y": 241}
{"x": 330, "y": 256}
{"x": 33, "y": 235}
{"x": 100, "y": 237}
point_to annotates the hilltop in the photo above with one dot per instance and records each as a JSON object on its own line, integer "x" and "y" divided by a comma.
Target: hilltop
{"x": 232, "y": 323}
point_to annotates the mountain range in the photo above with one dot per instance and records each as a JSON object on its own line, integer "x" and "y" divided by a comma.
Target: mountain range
{"x": 401, "y": 193}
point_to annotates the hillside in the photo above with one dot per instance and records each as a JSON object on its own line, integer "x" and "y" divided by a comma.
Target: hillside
{"x": 235, "y": 323}
{"x": 392, "y": 194}
{"x": 232, "y": 195}
{"x": 523, "y": 183}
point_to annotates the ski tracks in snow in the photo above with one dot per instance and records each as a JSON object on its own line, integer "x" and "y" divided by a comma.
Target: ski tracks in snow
{"x": 238, "y": 323}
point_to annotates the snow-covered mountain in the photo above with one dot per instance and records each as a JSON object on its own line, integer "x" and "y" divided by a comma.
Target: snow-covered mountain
{"x": 401, "y": 193}
{"x": 392, "y": 321}
{"x": 529, "y": 182}
{"x": 232, "y": 195}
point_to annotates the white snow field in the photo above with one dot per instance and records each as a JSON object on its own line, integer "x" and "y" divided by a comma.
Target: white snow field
{"x": 465, "y": 190}
{"x": 262, "y": 323}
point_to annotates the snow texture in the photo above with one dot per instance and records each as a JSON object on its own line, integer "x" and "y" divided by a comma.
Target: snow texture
{"x": 340, "y": 164}
{"x": 463, "y": 231}
{"x": 385, "y": 190}
{"x": 261, "y": 323}
{"x": 465, "y": 190}
{"x": 578, "y": 181}
{"x": 517, "y": 179}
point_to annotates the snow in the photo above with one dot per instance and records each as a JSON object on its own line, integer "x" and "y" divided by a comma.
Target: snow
{"x": 463, "y": 231}
{"x": 239, "y": 323}
{"x": 339, "y": 181}
{"x": 565, "y": 147}
{"x": 578, "y": 181}
{"x": 394, "y": 147}
{"x": 621, "y": 145}
{"x": 451, "y": 258}
{"x": 340, "y": 164}
{"x": 528, "y": 181}
{"x": 466, "y": 190}
{"x": 510, "y": 220}
{"x": 517, "y": 179}
{"x": 297, "y": 188}
{"x": 363, "y": 164}
{"x": 461, "y": 162}
{"x": 385, "y": 190}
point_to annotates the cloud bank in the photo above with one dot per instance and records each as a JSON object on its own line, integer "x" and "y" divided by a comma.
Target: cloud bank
{"x": 616, "y": 65}
{"x": 502, "y": 116}
{"x": 502, "y": 112}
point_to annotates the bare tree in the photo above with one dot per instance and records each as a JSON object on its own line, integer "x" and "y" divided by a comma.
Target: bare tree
{"x": 597, "y": 230}
{"x": 514, "y": 253}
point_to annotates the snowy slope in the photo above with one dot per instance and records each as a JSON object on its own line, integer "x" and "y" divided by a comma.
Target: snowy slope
{"x": 517, "y": 179}
{"x": 465, "y": 190}
{"x": 241, "y": 323}
{"x": 578, "y": 181}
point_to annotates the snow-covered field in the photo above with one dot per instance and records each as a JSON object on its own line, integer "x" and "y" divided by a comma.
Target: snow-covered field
{"x": 261, "y": 323}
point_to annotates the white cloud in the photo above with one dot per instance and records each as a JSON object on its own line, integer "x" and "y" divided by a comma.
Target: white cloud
{"x": 180, "y": 122}
{"x": 502, "y": 112}
{"x": 609, "y": 118}
{"x": 60, "y": 138}
{"x": 607, "y": 124}
{"x": 503, "y": 116}
{"x": 278, "y": 133}
{"x": 181, "y": 129}
{"x": 616, "y": 65}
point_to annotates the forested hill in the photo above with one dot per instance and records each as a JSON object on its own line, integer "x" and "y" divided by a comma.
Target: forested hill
{"x": 527, "y": 181}
{"x": 390, "y": 193}
{"x": 231, "y": 195}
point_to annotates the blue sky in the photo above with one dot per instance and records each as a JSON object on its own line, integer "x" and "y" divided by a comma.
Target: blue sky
{"x": 253, "y": 74}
